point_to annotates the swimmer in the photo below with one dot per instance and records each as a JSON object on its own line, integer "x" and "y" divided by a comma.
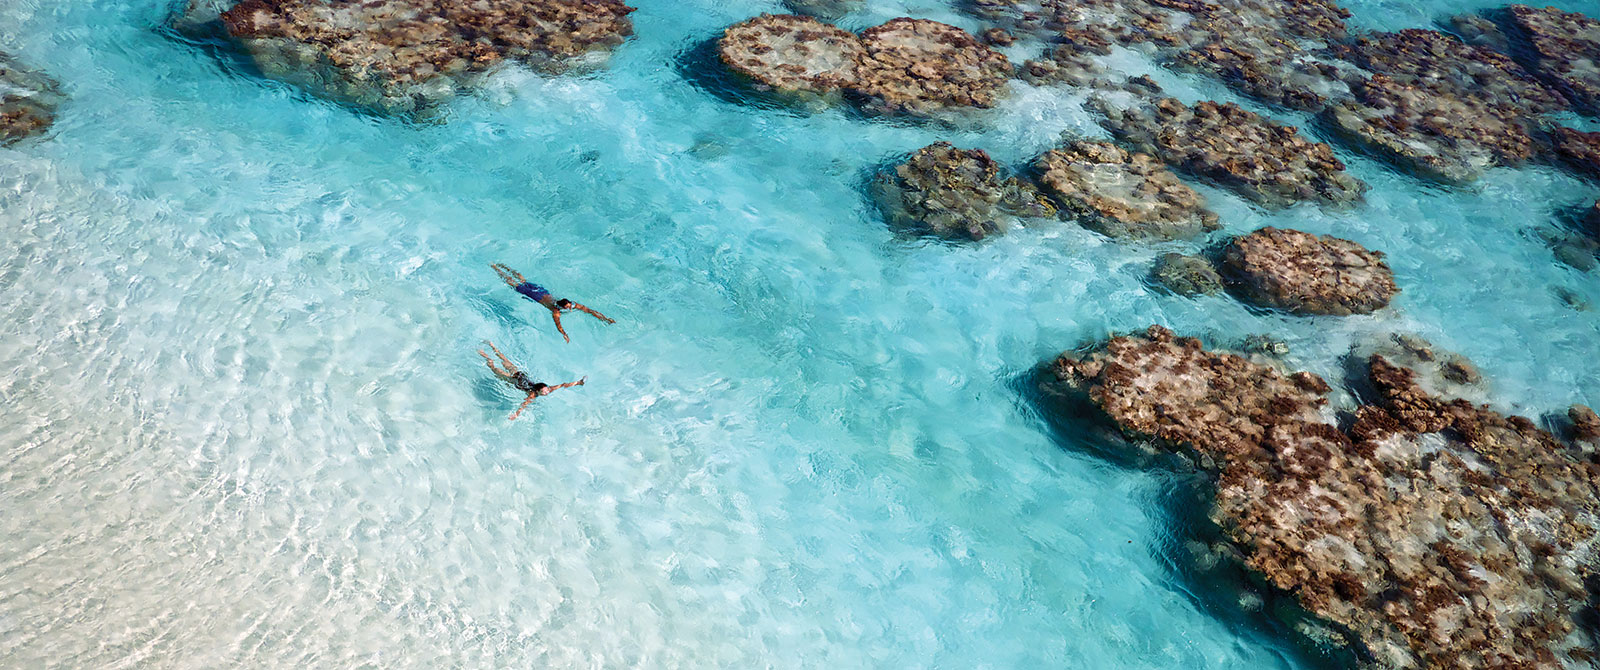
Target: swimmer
{"x": 520, "y": 380}
{"x": 539, "y": 295}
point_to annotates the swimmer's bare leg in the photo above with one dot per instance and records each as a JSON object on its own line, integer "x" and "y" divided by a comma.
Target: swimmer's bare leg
{"x": 490, "y": 362}
{"x": 511, "y": 368}
{"x": 511, "y": 277}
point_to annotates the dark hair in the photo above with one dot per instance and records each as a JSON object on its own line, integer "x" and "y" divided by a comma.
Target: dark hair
{"x": 540, "y": 387}
{"x": 563, "y": 303}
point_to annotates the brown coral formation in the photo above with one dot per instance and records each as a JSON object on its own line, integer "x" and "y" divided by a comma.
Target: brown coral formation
{"x": 1436, "y": 61}
{"x": 1439, "y": 106}
{"x": 1269, "y": 163}
{"x": 1307, "y": 274}
{"x": 1433, "y": 534}
{"x": 792, "y": 54}
{"x": 1268, "y": 49}
{"x": 1578, "y": 150}
{"x": 1262, "y": 47}
{"x": 1422, "y": 99}
{"x": 1436, "y": 370}
{"x": 1567, "y": 51}
{"x": 1122, "y": 194}
{"x": 1186, "y": 275}
{"x": 1433, "y": 132}
{"x": 28, "y": 101}
{"x": 956, "y": 194}
{"x": 1063, "y": 64}
{"x": 1585, "y": 427}
{"x": 905, "y": 66}
{"x": 918, "y": 66}
{"x": 406, "y": 56}
{"x": 1277, "y": 71}
{"x": 1098, "y": 21}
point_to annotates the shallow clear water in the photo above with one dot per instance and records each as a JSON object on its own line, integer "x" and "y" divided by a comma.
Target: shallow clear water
{"x": 245, "y": 424}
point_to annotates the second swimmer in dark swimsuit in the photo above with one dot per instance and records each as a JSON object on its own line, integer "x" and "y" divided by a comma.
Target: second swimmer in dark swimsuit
{"x": 520, "y": 380}
{"x": 539, "y": 295}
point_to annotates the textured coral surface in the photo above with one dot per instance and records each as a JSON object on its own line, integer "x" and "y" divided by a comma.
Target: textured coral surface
{"x": 904, "y": 66}
{"x": 1434, "y": 533}
{"x": 1269, "y": 163}
{"x": 28, "y": 101}
{"x": 1308, "y": 274}
{"x": 956, "y": 193}
{"x": 1121, "y": 193}
{"x": 405, "y": 55}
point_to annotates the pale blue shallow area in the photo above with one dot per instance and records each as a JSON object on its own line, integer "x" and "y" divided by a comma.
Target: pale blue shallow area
{"x": 245, "y": 425}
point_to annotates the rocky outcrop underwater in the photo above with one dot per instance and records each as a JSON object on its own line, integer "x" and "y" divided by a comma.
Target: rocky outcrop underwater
{"x": 955, "y": 194}
{"x": 1442, "y": 106}
{"x": 406, "y": 57}
{"x": 906, "y": 66}
{"x": 1424, "y": 530}
{"x": 28, "y": 101}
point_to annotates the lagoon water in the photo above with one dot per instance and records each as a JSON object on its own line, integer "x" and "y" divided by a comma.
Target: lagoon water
{"x": 244, "y": 424}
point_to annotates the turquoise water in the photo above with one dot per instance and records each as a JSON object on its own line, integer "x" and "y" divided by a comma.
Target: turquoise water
{"x": 245, "y": 425}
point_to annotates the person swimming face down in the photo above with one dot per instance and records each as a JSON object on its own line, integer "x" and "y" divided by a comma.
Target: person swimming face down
{"x": 538, "y": 294}
{"x": 519, "y": 379}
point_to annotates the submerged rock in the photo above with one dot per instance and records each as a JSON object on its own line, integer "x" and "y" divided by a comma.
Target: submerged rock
{"x": 1437, "y": 371}
{"x": 1433, "y": 534}
{"x": 1431, "y": 131}
{"x": 1438, "y": 106}
{"x": 1307, "y": 274}
{"x": 1566, "y": 46}
{"x": 792, "y": 55}
{"x": 1479, "y": 31}
{"x": 1269, "y": 68}
{"x": 1579, "y": 150}
{"x": 1158, "y": 386}
{"x": 1102, "y": 21}
{"x": 1268, "y": 163}
{"x": 830, "y": 10}
{"x": 917, "y": 66}
{"x": 1263, "y": 47}
{"x": 1122, "y": 194}
{"x": 407, "y": 56}
{"x": 1585, "y": 427}
{"x": 1436, "y": 61}
{"x": 1063, "y": 64}
{"x": 999, "y": 37}
{"x": 905, "y": 66}
{"x": 956, "y": 194}
{"x": 1186, "y": 275}
{"x": 1265, "y": 344}
{"x": 1575, "y": 249}
{"x": 28, "y": 101}
{"x": 1268, "y": 49}
{"x": 1591, "y": 220}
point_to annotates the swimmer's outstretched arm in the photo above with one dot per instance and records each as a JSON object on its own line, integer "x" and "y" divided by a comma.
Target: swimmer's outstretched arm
{"x": 556, "y": 314}
{"x": 593, "y": 313}
{"x": 525, "y": 402}
{"x": 567, "y": 385}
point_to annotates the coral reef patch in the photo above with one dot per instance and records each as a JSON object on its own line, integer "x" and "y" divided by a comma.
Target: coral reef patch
{"x": 1430, "y": 533}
